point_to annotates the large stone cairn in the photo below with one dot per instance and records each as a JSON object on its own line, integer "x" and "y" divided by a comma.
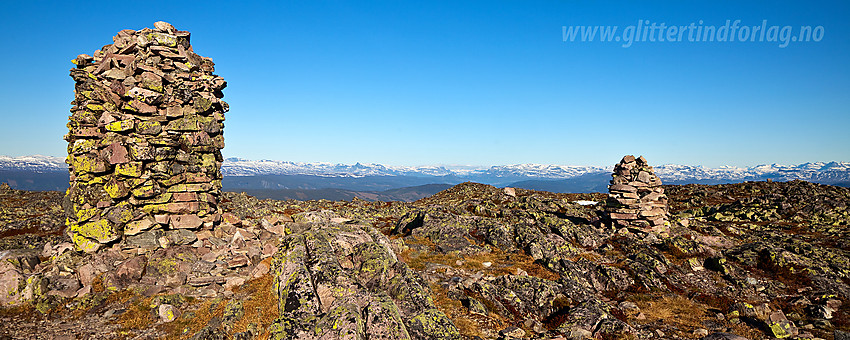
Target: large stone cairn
{"x": 145, "y": 140}
{"x": 635, "y": 196}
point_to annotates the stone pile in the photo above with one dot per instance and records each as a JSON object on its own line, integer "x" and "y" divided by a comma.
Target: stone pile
{"x": 145, "y": 138}
{"x": 635, "y": 196}
{"x": 207, "y": 263}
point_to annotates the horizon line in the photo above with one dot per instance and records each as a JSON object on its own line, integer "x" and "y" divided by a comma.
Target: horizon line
{"x": 494, "y": 165}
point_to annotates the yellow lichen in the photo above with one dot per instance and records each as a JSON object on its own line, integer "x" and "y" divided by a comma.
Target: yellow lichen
{"x": 100, "y": 230}
{"x": 132, "y": 169}
{"x": 115, "y": 189}
{"x": 85, "y": 214}
{"x": 121, "y": 125}
{"x": 94, "y": 107}
{"x": 84, "y": 244}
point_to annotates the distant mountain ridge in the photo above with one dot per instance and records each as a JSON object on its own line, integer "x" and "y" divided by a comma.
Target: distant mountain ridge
{"x": 832, "y": 172}
{"x": 819, "y": 172}
{"x": 407, "y": 194}
{"x": 269, "y": 174}
{"x": 33, "y": 163}
{"x": 245, "y": 167}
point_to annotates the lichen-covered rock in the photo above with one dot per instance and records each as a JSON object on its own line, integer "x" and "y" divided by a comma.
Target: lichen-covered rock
{"x": 510, "y": 261}
{"x": 521, "y": 296}
{"x": 432, "y": 324}
{"x": 592, "y": 318}
{"x": 18, "y": 283}
{"x": 146, "y": 122}
{"x": 167, "y": 313}
{"x": 10, "y": 282}
{"x": 779, "y": 326}
{"x": 342, "y": 280}
{"x": 448, "y": 231}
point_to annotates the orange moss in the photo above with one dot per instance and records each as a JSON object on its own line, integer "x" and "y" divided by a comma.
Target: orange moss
{"x": 685, "y": 314}
{"x": 139, "y": 314}
{"x": 501, "y": 262}
{"x": 205, "y": 310}
{"x": 674, "y": 309}
{"x": 385, "y": 225}
{"x": 24, "y": 312}
{"x": 292, "y": 211}
{"x": 97, "y": 285}
{"x": 260, "y": 305}
{"x": 455, "y": 311}
{"x": 469, "y": 325}
{"x": 592, "y": 257}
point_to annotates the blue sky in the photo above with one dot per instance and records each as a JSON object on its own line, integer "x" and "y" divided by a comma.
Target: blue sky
{"x": 464, "y": 82}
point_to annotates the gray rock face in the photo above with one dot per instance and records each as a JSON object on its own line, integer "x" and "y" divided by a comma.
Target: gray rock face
{"x": 527, "y": 227}
{"x": 341, "y": 281}
{"x": 521, "y": 296}
{"x": 473, "y": 261}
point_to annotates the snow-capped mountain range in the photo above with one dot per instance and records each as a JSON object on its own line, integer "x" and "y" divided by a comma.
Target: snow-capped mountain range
{"x": 36, "y": 163}
{"x": 822, "y": 172}
{"x": 245, "y": 167}
{"x": 817, "y": 171}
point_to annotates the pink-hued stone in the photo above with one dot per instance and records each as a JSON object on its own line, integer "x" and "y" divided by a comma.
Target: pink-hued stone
{"x": 185, "y": 221}
{"x": 116, "y": 153}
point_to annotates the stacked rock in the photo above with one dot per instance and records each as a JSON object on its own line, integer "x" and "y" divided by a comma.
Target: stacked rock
{"x": 635, "y": 196}
{"x": 145, "y": 138}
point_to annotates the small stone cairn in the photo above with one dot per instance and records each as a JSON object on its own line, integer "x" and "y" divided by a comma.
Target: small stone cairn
{"x": 635, "y": 196}
{"x": 145, "y": 138}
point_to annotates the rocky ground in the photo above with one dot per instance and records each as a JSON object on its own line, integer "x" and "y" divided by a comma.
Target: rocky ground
{"x": 755, "y": 260}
